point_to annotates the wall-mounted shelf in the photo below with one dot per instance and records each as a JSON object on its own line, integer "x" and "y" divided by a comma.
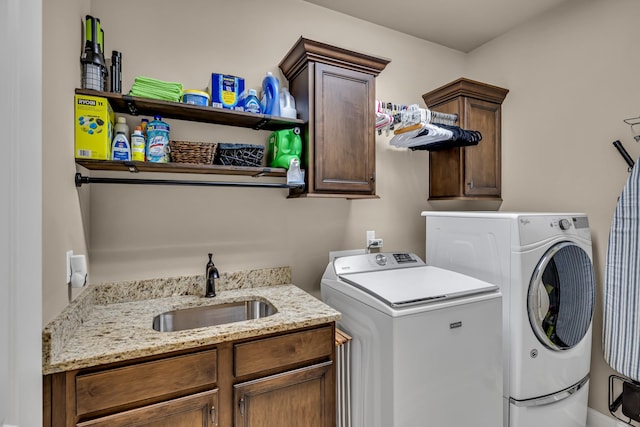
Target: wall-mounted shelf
{"x": 133, "y": 105}
{"x": 182, "y": 168}
{"x": 175, "y": 110}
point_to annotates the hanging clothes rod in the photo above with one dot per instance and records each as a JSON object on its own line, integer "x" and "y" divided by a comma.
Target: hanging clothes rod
{"x": 80, "y": 180}
{"x": 625, "y": 155}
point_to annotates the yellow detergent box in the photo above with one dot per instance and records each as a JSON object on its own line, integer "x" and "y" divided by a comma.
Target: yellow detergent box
{"x": 94, "y": 127}
{"x": 227, "y": 91}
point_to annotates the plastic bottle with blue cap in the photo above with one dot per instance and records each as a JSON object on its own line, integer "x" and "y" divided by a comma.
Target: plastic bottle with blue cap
{"x": 271, "y": 95}
{"x": 251, "y": 103}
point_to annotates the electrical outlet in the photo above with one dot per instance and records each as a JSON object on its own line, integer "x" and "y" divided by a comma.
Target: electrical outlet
{"x": 374, "y": 243}
{"x": 371, "y": 234}
{"x": 69, "y": 255}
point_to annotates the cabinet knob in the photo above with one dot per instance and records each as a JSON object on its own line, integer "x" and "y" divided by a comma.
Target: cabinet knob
{"x": 241, "y": 406}
{"x": 212, "y": 413}
{"x": 470, "y": 184}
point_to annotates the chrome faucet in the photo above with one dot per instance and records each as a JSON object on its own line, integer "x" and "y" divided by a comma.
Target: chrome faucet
{"x": 210, "y": 278}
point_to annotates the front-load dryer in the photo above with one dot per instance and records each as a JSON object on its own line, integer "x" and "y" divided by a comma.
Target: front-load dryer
{"x": 542, "y": 263}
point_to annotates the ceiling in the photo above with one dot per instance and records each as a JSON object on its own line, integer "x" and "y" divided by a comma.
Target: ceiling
{"x": 459, "y": 24}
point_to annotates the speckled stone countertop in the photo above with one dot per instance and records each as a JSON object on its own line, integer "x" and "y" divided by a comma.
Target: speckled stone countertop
{"x": 113, "y": 322}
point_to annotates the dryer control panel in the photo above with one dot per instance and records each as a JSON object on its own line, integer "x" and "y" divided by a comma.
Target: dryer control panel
{"x": 537, "y": 228}
{"x": 376, "y": 262}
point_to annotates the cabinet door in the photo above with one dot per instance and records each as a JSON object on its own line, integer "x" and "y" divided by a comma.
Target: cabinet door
{"x": 191, "y": 411}
{"x": 482, "y": 162}
{"x": 344, "y": 146}
{"x": 303, "y": 397}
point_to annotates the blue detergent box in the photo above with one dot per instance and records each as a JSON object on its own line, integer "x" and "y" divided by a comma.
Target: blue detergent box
{"x": 227, "y": 91}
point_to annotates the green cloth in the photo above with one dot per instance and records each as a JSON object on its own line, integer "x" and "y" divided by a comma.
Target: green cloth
{"x": 146, "y": 87}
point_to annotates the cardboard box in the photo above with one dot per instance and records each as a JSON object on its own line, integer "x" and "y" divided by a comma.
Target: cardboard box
{"x": 94, "y": 121}
{"x": 227, "y": 92}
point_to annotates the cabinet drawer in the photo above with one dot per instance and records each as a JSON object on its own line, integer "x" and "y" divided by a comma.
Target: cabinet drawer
{"x": 194, "y": 410}
{"x": 282, "y": 351}
{"x": 146, "y": 382}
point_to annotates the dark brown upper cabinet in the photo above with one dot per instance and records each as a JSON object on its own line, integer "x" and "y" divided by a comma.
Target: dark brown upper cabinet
{"x": 334, "y": 89}
{"x": 473, "y": 172}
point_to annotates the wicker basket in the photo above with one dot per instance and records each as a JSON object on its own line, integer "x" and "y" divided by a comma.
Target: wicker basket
{"x": 240, "y": 154}
{"x": 201, "y": 153}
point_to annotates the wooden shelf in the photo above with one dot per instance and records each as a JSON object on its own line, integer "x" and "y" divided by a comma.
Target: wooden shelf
{"x": 175, "y": 110}
{"x": 115, "y": 165}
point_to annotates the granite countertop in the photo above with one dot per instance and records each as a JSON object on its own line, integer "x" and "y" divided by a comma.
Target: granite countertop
{"x": 113, "y": 322}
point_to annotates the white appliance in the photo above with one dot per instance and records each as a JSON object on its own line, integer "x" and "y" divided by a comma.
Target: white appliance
{"x": 427, "y": 342}
{"x": 543, "y": 265}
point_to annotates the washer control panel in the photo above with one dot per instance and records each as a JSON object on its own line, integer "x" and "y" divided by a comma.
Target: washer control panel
{"x": 376, "y": 262}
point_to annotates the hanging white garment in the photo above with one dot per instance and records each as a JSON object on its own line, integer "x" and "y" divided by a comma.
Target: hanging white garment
{"x": 621, "y": 322}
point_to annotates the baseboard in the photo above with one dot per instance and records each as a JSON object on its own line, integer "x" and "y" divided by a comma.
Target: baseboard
{"x": 597, "y": 419}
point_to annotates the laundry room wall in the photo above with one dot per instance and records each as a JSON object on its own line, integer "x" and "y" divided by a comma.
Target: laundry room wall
{"x": 133, "y": 232}
{"x": 572, "y": 76}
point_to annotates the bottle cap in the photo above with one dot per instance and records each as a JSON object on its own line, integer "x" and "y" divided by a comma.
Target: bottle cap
{"x": 122, "y": 119}
{"x": 252, "y": 92}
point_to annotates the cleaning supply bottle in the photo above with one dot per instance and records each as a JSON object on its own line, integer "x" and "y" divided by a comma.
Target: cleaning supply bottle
{"x": 251, "y": 103}
{"x": 122, "y": 126}
{"x": 284, "y": 145}
{"x": 143, "y": 125}
{"x": 287, "y": 104}
{"x": 158, "y": 141}
{"x": 137, "y": 145}
{"x": 121, "y": 149}
{"x": 271, "y": 95}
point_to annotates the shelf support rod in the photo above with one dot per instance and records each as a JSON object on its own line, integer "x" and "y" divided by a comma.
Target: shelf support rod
{"x": 80, "y": 180}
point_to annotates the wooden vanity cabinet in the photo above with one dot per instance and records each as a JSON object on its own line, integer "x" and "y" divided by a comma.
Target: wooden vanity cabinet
{"x": 472, "y": 172}
{"x": 291, "y": 399}
{"x": 286, "y": 379}
{"x": 290, "y": 380}
{"x": 334, "y": 89}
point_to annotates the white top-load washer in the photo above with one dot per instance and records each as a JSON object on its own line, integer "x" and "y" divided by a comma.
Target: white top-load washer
{"x": 426, "y": 346}
{"x": 543, "y": 265}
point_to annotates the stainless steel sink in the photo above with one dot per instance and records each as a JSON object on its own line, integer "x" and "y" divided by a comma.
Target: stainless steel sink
{"x": 211, "y": 315}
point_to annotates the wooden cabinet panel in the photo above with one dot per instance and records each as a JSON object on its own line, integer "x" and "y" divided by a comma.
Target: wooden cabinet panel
{"x": 297, "y": 398}
{"x": 472, "y": 172}
{"x": 482, "y": 163}
{"x": 191, "y": 411}
{"x": 144, "y": 382}
{"x": 282, "y": 351}
{"x": 344, "y": 144}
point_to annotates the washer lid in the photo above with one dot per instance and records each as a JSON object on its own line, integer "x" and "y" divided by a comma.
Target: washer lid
{"x": 418, "y": 285}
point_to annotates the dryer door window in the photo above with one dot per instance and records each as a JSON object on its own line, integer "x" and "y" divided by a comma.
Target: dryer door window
{"x": 561, "y": 294}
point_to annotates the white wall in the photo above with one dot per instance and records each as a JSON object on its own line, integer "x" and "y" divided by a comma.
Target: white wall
{"x": 573, "y": 78}
{"x": 20, "y": 213}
